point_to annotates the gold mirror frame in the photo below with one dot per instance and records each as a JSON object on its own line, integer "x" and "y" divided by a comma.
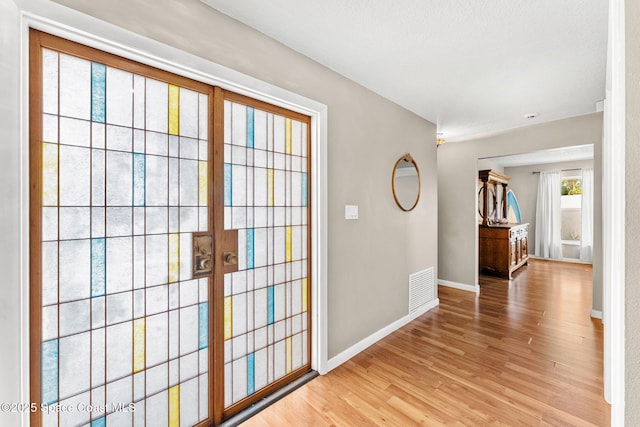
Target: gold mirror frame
{"x": 406, "y": 158}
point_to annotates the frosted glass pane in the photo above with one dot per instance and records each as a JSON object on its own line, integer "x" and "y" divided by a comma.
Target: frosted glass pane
{"x": 296, "y": 243}
{"x": 75, "y": 418}
{"x": 98, "y": 312}
{"x": 74, "y": 176}
{"x": 98, "y": 135}
{"x": 120, "y": 391}
{"x": 303, "y": 151}
{"x": 185, "y": 261}
{"x": 49, "y": 81}
{"x": 279, "y": 245}
{"x": 156, "y": 340}
{"x": 296, "y": 189}
{"x": 188, "y": 402}
{"x": 238, "y": 217}
{"x": 174, "y": 333}
{"x": 49, "y": 128}
{"x": 119, "y": 264}
{"x": 174, "y": 220}
{"x": 74, "y": 364}
{"x": 157, "y": 117}
{"x": 75, "y": 266}
{"x": 174, "y": 146}
{"x": 239, "y": 186}
{"x": 119, "y": 351}
{"x": 157, "y": 378}
{"x": 75, "y": 132}
{"x": 174, "y": 372}
{"x": 156, "y": 169}
{"x": 238, "y": 155}
{"x": 260, "y": 308}
{"x": 157, "y": 409}
{"x": 189, "y": 292}
{"x": 189, "y": 219}
{"x": 97, "y": 177}
{"x": 279, "y": 161}
{"x": 260, "y": 187}
{"x": 157, "y": 299}
{"x": 279, "y": 188}
{"x": 119, "y": 307}
{"x": 139, "y": 303}
{"x": 188, "y": 329}
{"x": 188, "y": 148}
{"x": 239, "y": 314}
{"x": 296, "y": 138}
{"x": 296, "y": 297}
{"x": 203, "y": 153}
{"x": 260, "y": 247}
{"x": 188, "y": 367}
{"x": 239, "y": 124}
{"x": 239, "y": 346}
{"x": 138, "y": 101}
{"x": 119, "y": 97}
{"x": 260, "y": 129}
{"x": 157, "y": 143}
{"x": 260, "y": 361}
{"x": 157, "y": 220}
{"x": 119, "y": 138}
{"x": 278, "y": 134}
{"x": 49, "y": 322}
{"x": 75, "y": 317}
{"x": 138, "y": 221}
{"x": 279, "y": 302}
{"x": 75, "y": 87}
{"x": 203, "y": 112}
{"x": 119, "y": 179}
{"x": 157, "y": 249}
{"x": 49, "y": 224}
{"x": 280, "y": 360}
{"x": 188, "y": 113}
{"x": 188, "y": 182}
{"x": 239, "y": 379}
{"x": 174, "y": 182}
{"x": 97, "y": 357}
{"x": 296, "y": 352}
{"x": 139, "y": 262}
{"x": 139, "y": 141}
{"x": 119, "y": 222}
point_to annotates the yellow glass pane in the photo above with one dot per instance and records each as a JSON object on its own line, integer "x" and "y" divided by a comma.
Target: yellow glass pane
{"x": 203, "y": 186}
{"x": 49, "y": 174}
{"x": 138, "y": 344}
{"x": 174, "y": 110}
{"x": 304, "y": 294}
{"x": 288, "y": 244}
{"x": 287, "y": 136}
{"x": 174, "y": 257}
{"x": 174, "y": 406}
{"x": 270, "y": 186}
{"x": 227, "y": 318}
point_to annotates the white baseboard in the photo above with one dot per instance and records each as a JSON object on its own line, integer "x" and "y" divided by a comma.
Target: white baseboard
{"x": 596, "y": 314}
{"x": 463, "y": 286}
{"x": 339, "y": 359}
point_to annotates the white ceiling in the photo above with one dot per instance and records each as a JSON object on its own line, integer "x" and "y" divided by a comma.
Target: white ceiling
{"x": 473, "y": 67}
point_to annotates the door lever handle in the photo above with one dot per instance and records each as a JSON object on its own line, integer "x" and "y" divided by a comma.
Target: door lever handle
{"x": 229, "y": 258}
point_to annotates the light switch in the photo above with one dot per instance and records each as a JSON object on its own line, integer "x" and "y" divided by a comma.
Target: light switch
{"x": 351, "y": 212}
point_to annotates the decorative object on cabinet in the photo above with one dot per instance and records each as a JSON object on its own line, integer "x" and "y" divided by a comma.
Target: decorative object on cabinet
{"x": 503, "y": 243}
{"x": 405, "y": 183}
{"x": 513, "y": 208}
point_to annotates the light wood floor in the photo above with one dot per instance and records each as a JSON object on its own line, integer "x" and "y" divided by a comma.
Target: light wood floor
{"x": 521, "y": 353}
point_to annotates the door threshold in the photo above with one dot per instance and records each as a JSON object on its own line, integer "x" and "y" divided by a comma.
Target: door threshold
{"x": 249, "y": 412}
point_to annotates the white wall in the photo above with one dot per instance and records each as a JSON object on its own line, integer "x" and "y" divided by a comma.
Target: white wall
{"x": 457, "y": 180}
{"x": 632, "y": 220}
{"x": 10, "y": 316}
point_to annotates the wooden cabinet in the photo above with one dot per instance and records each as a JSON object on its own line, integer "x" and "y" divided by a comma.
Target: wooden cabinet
{"x": 503, "y": 248}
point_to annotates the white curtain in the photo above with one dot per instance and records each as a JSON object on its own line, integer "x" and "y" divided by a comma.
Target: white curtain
{"x": 586, "y": 232}
{"x": 548, "y": 216}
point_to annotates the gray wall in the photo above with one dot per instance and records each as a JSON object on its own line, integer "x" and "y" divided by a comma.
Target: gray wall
{"x": 632, "y": 219}
{"x": 369, "y": 259}
{"x": 457, "y": 181}
{"x": 524, "y": 184}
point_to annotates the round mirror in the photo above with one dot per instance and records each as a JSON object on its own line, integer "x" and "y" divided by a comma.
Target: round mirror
{"x": 406, "y": 183}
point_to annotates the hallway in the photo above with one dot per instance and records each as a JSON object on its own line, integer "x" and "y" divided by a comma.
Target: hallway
{"x": 524, "y": 353}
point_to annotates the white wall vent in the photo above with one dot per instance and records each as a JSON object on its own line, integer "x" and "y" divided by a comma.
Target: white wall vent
{"x": 421, "y": 289}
